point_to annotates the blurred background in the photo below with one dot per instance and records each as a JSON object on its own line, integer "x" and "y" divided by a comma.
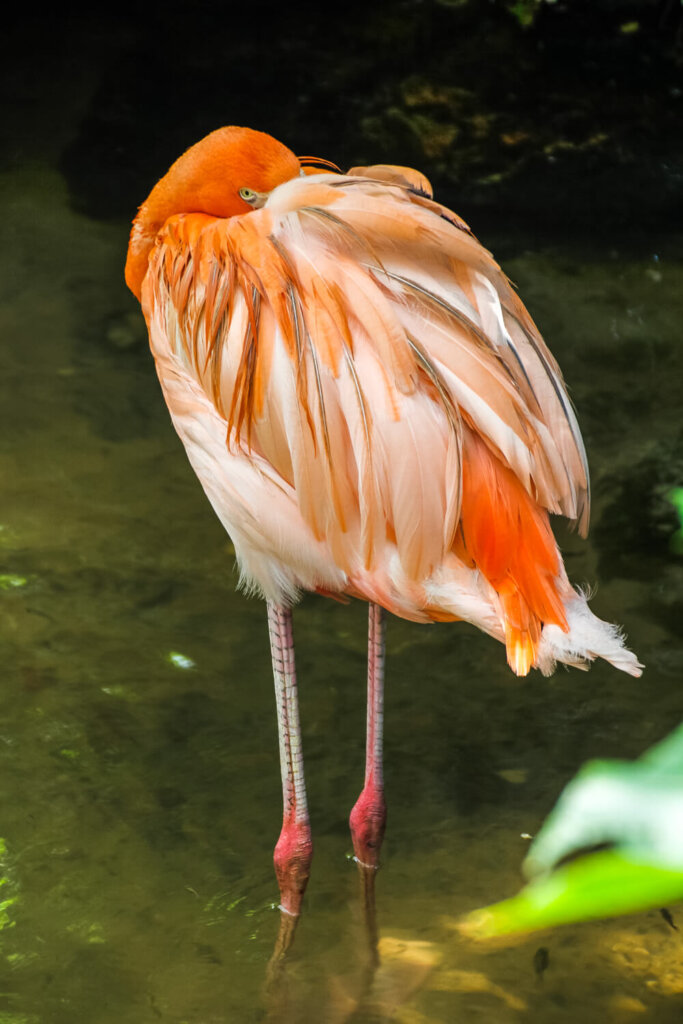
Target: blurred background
{"x": 140, "y": 791}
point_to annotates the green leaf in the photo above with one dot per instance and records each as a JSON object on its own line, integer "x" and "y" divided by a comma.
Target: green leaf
{"x": 602, "y": 884}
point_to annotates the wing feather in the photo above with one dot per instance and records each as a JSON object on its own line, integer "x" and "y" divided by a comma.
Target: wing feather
{"x": 345, "y": 333}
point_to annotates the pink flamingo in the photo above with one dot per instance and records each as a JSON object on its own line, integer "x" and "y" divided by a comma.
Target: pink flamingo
{"x": 371, "y": 412}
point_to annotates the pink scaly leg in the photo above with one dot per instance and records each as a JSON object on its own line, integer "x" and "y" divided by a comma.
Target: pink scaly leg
{"x": 369, "y": 815}
{"x": 294, "y": 849}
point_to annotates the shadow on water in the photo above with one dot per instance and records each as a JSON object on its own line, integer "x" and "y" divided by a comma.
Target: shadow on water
{"x": 138, "y": 746}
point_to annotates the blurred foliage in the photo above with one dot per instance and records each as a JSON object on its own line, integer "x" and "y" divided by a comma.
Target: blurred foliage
{"x": 10, "y": 581}
{"x": 675, "y": 496}
{"x": 8, "y": 895}
{"x": 632, "y": 807}
{"x": 525, "y": 11}
{"x": 603, "y": 884}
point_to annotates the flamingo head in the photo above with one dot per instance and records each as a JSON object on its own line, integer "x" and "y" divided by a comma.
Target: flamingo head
{"x": 227, "y": 173}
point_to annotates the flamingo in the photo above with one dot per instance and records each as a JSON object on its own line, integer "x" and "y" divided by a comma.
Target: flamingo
{"x": 372, "y": 414}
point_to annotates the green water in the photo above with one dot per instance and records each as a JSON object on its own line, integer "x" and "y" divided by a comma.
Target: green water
{"x": 140, "y": 799}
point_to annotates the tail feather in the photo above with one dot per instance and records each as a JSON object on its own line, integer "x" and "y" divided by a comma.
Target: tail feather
{"x": 508, "y": 537}
{"x": 588, "y": 638}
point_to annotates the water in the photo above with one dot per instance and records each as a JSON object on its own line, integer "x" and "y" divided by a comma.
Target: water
{"x": 140, "y": 792}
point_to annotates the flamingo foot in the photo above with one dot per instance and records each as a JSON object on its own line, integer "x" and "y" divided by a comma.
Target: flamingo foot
{"x": 292, "y": 858}
{"x": 367, "y": 821}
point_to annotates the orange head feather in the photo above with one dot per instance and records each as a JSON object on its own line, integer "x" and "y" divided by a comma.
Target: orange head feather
{"x": 208, "y": 178}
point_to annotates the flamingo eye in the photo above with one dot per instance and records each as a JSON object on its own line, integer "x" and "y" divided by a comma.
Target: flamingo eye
{"x": 247, "y": 194}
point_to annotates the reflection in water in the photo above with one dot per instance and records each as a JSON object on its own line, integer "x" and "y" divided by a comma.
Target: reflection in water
{"x": 379, "y": 986}
{"x": 140, "y": 795}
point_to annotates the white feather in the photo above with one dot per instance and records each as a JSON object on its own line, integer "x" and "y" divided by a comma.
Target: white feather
{"x": 588, "y": 638}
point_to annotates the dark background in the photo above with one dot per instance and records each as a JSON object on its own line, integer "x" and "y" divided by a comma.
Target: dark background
{"x": 564, "y": 114}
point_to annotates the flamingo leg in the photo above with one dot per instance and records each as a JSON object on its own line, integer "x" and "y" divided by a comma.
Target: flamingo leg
{"x": 294, "y": 848}
{"x": 369, "y": 815}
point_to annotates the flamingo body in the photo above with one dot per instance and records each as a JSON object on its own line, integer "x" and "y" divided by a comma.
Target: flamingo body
{"x": 372, "y": 413}
{"x": 364, "y": 398}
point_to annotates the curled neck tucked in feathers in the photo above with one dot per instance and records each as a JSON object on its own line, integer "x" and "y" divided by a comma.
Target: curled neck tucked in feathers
{"x": 207, "y": 179}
